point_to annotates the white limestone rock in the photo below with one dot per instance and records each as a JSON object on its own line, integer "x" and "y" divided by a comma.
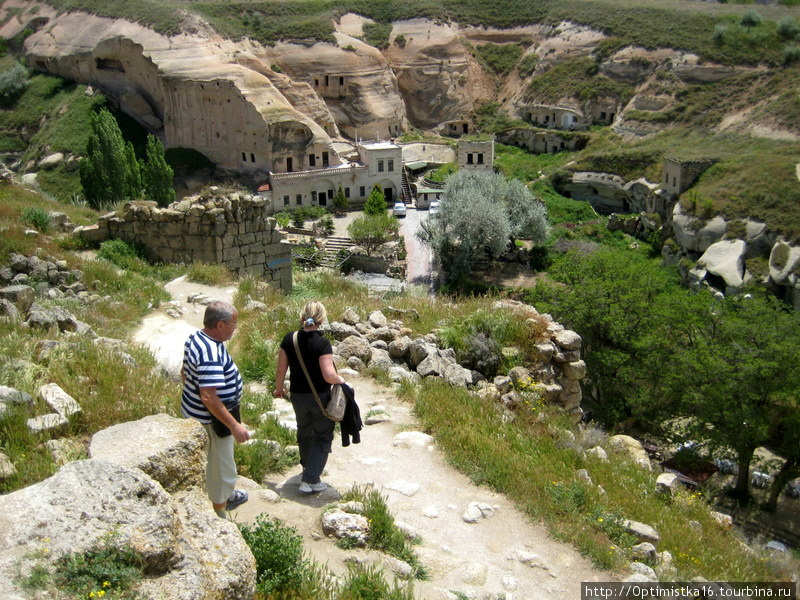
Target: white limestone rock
{"x": 58, "y": 400}
{"x": 726, "y": 260}
{"x": 170, "y": 450}
{"x": 413, "y": 439}
{"x": 339, "y": 524}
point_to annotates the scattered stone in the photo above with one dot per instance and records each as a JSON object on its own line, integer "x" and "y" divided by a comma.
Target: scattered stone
{"x": 48, "y": 422}
{"x": 583, "y": 475}
{"x": 412, "y": 439}
{"x": 473, "y": 573}
{"x": 11, "y": 396}
{"x": 477, "y": 511}
{"x": 354, "y": 346}
{"x": 643, "y": 551}
{"x": 567, "y": 340}
{"x": 255, "y": 306}
{"x": 377, "y": 319}
{"x": 723, "y": 520}
{"x": 431, "y": 512}
{"x": 643, "y": 570}
{"x": 667, "y": 484}
{"x": 404, "y": 487}
{"x": 341, "y": 525}
{"x": 632, "y": 447}
{"x": 644, "y": 533}
{"x": 377, "y": 419}
{"x": 598, "y": 452}
{"x": 400, "y": 568}
{"x": 267, "y": 495}
{"x": 7, "y": 468}
{"x": 351, "y": 317}
{"x": 21, "y": 296}
{"x": 65, "y": 450}
{"x": 59, "y": 400}
{"x": 8, "y": 310}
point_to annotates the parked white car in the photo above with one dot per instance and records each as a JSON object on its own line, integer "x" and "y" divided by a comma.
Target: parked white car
{"x": 434, "y": 207}
{"x": 399, "y": 209}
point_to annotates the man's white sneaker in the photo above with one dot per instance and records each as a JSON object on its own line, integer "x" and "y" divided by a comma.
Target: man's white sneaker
{"x": 311, "y": 488}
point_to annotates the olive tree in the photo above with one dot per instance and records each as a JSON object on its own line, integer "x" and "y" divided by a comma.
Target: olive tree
{"x": 480, "y": 214}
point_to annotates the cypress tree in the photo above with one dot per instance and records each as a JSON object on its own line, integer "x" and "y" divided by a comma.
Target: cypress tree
{"x": 157, "y": 174}
{"x": 109, "y": 172}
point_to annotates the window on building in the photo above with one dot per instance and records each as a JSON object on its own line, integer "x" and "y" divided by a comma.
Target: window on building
{"x": 603, "y": 115}
{"x": 362, "y": 191}
{"x": 326, "y": 80}
{"x": 674, "y": 181}
{"x": 480, "y": 158}
{"x": 341, "y": 80}
{"x": 346, "y": 192}
{"x": 313, "y": 197}
{"x": 316, "y": 83}
{"x": 252, "y": 157}
{"x": 380, "y": 166}
{"x": 289, "y": 165}
{"x": 312, "y": 160}
{"x": 330, "y": 194}
{"x": 390, "y": 166}
{"x": 286, "y": 200}
{"x": 469, "y": 158}
{"x": 324, "y": 159}
{"x": 298, "y": 199}
{"x": 244, "y": 157}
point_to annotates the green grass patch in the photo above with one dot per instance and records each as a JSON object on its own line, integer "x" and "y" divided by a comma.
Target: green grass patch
{"x": 533, "y": 463}
{"x": 499, "y": 59}
{"x": 384, "y": 535}
{"x": 209, "y": 274}
{"x": 576, "y": 78}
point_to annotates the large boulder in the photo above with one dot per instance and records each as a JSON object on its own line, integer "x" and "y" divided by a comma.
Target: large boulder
{"x": 187, "y": 551}
{"x": 632, "y": 447}
{"x": 58, "y": 400}
{"x": 170, "y": 450}
{"x": 693, "y": 234}
{"x": 354, "y": 346}
{"x": 419, "y": 351}
{"x": 783, "y": 262}
{"x": 726, "y": 260}
{"x": 75, "y": 509}
{"x": 11, "y": 396}
{"x": 21, "y": 296}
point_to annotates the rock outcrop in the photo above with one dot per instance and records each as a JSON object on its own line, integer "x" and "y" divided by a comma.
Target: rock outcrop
{"x": 187, "y": 552}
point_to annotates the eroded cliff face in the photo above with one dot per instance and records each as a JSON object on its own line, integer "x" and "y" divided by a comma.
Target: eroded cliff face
{"x": 194, "y": 91}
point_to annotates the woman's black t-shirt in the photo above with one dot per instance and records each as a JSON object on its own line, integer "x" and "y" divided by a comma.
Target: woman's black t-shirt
{"x": 312, "y": 345}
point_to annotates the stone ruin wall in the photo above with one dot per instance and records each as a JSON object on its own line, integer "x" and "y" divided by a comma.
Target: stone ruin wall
{"x": 234, "y": 231}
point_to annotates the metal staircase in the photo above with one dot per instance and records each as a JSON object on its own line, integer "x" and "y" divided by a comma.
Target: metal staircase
{"x": 408, "y": 195}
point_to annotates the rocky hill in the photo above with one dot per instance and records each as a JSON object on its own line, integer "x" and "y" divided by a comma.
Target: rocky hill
{"x": 256, "y": 107}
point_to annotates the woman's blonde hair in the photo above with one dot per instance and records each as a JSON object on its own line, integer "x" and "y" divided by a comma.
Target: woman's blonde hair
{"x": 314, "y": 312}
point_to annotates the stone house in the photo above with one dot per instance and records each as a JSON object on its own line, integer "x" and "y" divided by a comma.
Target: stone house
{"x": 541, "y": 141}
{"x": 679, "y": 175}
{"x": 379, "y": 163}
{"x": 426, "y": 195}
{"x": 555, "y": 117}
{"x": 477, "y": 155}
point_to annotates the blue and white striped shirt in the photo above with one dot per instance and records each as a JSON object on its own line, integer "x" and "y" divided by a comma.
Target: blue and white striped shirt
{"x": 206, "y": 363}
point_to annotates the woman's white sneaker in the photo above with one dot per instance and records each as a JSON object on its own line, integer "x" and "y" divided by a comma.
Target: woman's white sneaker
{"x": 312, "y": 488}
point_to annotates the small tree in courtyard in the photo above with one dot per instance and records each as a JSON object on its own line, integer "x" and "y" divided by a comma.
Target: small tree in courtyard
{"x": 376, "y": 202}
{"x": 340, "y": 202}
{"x": 372, "y": 231}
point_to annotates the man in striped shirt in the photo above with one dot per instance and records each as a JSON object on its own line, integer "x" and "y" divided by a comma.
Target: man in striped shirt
{"x": 212, "y": 385}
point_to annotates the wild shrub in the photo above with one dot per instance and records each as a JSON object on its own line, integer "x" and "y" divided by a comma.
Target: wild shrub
{"x": 278, "y": 550}
{"x": 750, "y": 19}
{"x": 107, "y": 569}
{"x": 791, "y": 55}
{"x": 368, "y": 583}
{"x": 283, "y": 218}
{"x": 528, "y": 65}
{"x": 37, "y": 218}
{"x": 788, "y": 28}
{"x": 400, "y": 40}
{"x": 12, "y": 83}
{"x": 499, "y": 58}
{"x": 384, "y": 535}
{"x": 377, "y": 34}
{"x": 481, "y": 354}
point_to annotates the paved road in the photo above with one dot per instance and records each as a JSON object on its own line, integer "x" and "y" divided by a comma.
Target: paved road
{"x": 418, "y": 258}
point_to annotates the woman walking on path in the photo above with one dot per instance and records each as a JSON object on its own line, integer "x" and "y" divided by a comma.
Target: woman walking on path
{"x": 314, "y": 429}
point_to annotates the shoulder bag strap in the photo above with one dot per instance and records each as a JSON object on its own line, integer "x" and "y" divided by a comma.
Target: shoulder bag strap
{"x": 308, "y": 377}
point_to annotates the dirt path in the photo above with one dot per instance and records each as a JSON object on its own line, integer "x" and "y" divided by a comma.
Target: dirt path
{"x": 503, "y": 555}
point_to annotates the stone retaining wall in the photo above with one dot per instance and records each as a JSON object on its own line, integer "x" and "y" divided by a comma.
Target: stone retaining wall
{"x": 233, "y": 231}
